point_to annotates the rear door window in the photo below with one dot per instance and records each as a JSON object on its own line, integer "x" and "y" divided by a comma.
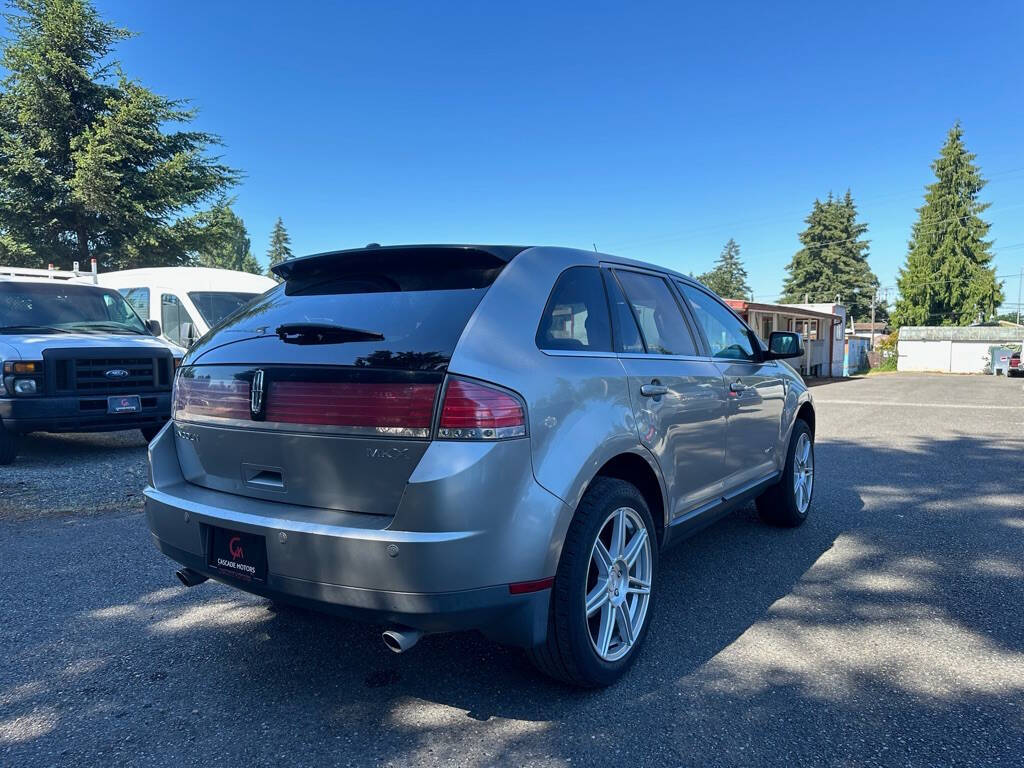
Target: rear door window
{"x": 576, "y": 316}
{"x": 657, "y": 313}
{"x": 627, "y": 334}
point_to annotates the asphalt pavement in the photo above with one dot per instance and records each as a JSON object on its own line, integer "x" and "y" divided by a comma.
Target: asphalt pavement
{"x": 885, "y": 631}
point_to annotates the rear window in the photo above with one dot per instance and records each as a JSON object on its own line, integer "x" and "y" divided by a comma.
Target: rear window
{"x": 378, "y": 310}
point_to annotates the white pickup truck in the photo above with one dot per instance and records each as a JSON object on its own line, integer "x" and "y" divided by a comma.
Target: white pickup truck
{"x": 77, "y": 358}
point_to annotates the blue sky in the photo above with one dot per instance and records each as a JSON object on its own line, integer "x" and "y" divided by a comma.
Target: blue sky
{"x": 656, "y": 131}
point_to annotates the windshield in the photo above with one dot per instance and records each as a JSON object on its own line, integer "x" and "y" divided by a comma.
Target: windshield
{"x": 54, "y": 307}
{"x": 214, "y": 306}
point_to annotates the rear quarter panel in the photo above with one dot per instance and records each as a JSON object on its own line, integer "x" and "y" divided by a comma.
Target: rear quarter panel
{"x": 578, "y": 407}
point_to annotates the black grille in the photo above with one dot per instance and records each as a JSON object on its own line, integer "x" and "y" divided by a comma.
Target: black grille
{"x": 91, "y": 375}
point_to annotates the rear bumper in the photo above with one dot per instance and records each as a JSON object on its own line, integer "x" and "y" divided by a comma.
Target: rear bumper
{"x": 80, "y": 414}
{"x": 371, "y": 567}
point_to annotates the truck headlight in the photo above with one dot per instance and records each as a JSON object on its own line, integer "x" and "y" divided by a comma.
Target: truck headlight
{"x": 25, "y": 387}
{"x": 15, "y": 381}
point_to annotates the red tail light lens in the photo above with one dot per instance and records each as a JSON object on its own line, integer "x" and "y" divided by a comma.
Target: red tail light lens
{"x": 399, "y": 409}
{"x": 474, "y": 411}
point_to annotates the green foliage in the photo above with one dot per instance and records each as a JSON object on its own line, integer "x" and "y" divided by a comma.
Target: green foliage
{"x": 227, "y": 241}
{"x": 948, "y": 278}
{"x": 280, "y": 246}
{"x": 86, "y": 167}
{"x": 728, "y": 278}
{"x": 887, "y": 348}
{"x": 833, "y": 260}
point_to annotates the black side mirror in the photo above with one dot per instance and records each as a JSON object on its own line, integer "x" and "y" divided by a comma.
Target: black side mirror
{"x": 153, "y": 326}
{"x": 783, "y": 345}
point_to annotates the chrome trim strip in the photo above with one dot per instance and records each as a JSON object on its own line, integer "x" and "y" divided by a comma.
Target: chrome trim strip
{"x": 322, "y": 429}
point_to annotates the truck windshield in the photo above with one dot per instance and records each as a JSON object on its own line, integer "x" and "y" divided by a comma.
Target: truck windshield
{"x": 54, "y": 307}
{"x": 214, "y": 306}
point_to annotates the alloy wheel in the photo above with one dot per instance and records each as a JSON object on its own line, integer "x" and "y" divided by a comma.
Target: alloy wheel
{"x": 803, "y": 472}
{"x": 618, "y": 589}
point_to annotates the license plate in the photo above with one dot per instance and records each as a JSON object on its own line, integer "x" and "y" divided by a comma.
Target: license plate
{"x": 239, "y": 555}
{"x": 124, "y": 404}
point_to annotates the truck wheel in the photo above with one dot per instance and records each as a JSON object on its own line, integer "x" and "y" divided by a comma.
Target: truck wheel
{"x": 602, "y": 597}
{"x": 787, "y": 502}
{"x": 8, "y": 446}
{"x": 150, "y": 432}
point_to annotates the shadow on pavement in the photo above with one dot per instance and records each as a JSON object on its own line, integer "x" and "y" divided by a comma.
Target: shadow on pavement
{"x": 884, "y": 630}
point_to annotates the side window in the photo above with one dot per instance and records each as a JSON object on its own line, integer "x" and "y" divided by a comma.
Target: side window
{"x": 658, "y": 314}
{"x": 576, "y": 316}
{"x": 627, "y": 335}
{"x": 727, "y": 336}
{"x": 139, "y": 299}
{"x": 174, "y": 319}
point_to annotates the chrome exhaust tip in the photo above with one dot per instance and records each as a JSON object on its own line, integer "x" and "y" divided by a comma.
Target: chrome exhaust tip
{"x": 190, "y": 578}
{"x": 401, "y": 640}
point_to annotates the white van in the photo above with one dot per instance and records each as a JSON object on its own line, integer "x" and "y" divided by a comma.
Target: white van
{"x": 187, "y": 301}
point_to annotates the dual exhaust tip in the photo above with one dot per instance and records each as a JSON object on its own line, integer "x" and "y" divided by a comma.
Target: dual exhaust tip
{"x": 398, "y": 639}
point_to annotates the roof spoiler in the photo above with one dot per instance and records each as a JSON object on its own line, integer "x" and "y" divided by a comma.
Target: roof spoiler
{"x": 370, "y": 257}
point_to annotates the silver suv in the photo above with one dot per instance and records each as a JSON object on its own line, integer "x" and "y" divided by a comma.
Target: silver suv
{"x": 439, "y": 438}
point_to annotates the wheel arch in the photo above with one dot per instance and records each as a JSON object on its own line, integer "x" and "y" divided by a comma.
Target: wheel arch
{"x": 639, "y": 471}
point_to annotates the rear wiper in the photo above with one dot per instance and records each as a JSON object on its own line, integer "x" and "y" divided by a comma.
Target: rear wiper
{"x": 319, "y": 333}
{"x": 32, "y": 329}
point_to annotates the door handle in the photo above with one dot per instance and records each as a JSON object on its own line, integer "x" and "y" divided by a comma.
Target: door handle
{"x": 653, "y": 390}
{"x": 737, "y": 386}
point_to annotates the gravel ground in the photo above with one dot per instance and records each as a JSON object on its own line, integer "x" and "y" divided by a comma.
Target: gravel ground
{"x": 885, "y": 631}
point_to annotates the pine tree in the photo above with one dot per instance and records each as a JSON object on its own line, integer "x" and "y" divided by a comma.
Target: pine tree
{"x": 833, "y": 260}
{"x": 228, "y": 241}
{"x": 948, "y": 278}
{"x": 728, "y": 278}
{"x": 280, "y": 246}
{"x": 86, "y": 168}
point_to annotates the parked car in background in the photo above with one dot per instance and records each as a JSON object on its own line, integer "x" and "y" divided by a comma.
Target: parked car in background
{"x": 188, "y": 301}
{"x": 1014, "y": 368}
{"x": 498, "y": 438}
{"x": 77, "y": 358}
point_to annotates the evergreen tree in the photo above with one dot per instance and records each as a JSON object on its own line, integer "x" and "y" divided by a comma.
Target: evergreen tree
{"x": 833, "y": 260}
{"x": 948, "y": 278}
{"x": 728, "y": 278}
{"x": 227, "y": 241}
{"x": 280, "y": 246}
{"x": 86, "y": 168}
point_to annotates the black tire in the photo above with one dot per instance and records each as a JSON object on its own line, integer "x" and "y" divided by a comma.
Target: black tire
{"x": 778, "y": 505}
{"x": 150, "y": 432}
{"x": 569, "y": 654}
{"x": 8, "y": 446}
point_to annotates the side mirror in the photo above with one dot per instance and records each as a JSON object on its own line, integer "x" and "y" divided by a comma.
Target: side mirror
{"x": 188, "y": 332}
{"x": 783, "y": 345}
{"x": 153, "y": 326}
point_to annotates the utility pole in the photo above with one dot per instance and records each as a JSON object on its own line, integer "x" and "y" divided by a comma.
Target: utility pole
{"x": 1020, "y": 281}
{"x": 874, "y": 300}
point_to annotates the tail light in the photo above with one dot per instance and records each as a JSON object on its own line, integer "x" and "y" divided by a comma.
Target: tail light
{"x": 472, "y": 411}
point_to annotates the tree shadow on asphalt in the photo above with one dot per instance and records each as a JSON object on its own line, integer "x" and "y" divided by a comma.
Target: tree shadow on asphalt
{"x": 878, "y": 630}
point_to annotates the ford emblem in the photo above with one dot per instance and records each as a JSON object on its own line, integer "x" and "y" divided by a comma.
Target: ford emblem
{"x": 116, "y": 373}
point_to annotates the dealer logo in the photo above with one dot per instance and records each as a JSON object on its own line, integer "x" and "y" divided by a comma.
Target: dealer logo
{"x": 235, "y": 548}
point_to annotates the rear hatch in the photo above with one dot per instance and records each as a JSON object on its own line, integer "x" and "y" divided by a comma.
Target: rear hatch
{"x": 323, "y": 392}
